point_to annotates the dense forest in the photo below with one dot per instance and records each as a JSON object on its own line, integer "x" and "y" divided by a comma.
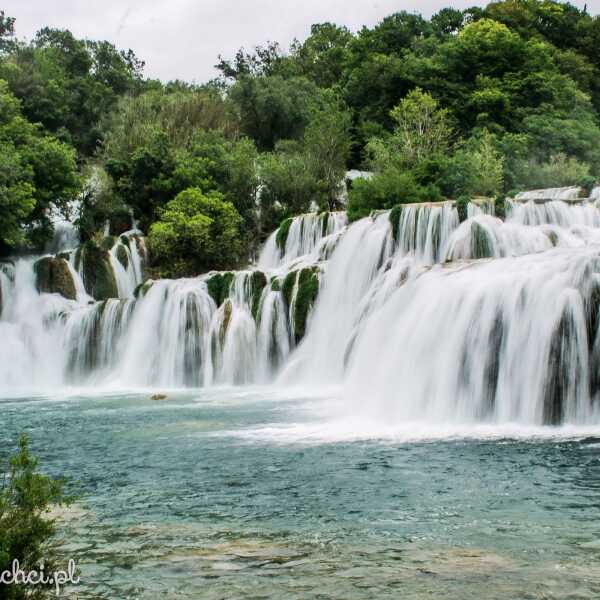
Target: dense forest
{"x": 477, "y": 102}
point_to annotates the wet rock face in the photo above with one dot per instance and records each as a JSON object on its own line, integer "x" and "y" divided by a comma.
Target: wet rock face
{"x": 54, "y": 277}
{"x": 98, "y": 275}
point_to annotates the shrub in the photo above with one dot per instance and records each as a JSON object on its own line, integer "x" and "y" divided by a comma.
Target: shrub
{"x": 196, "y": 232}
{"x": 26, "y": 531}
{"x": 385, "y": 191}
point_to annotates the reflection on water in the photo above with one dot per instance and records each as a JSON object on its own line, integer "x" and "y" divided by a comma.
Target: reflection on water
{"x": 227, "y": 494}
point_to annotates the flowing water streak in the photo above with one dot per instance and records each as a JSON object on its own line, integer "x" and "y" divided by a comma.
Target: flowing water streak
{"x": 309, "y": 235}
{"x": 130, "y": 246}
{"x": 509, "y": 342}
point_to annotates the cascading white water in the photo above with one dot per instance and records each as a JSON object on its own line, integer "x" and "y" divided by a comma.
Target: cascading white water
{"x": 312, "y": 235}
{"x": 126, "y": 258}
{"x": 418, "y": 316}
{"x": 562, "y": 193}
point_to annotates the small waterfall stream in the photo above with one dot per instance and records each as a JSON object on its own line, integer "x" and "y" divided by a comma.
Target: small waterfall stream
{"x": 413, "y": 313}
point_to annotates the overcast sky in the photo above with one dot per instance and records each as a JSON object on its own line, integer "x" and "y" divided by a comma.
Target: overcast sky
{"x": 181, "y": 39}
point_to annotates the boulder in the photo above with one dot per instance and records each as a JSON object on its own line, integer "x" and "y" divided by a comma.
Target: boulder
{"x": 53, "y": 276}
{"x": 98, "y": 274}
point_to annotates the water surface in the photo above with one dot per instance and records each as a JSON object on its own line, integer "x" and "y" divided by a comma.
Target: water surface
{"x": 255, "y": 493}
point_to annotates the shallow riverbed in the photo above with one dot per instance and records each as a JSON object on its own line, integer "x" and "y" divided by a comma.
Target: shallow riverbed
{"x": 260, "y": 493}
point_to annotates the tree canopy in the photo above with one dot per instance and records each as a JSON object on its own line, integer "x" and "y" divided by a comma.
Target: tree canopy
{"x": 482, "y": 101}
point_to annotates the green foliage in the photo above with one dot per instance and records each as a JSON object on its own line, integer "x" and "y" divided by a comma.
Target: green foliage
{"x": 67, "y": 84}
{"x": 560, "y": 170}
{"x": 26, "y": 530}
{"x": 100, "y": 204}
{"x": 196, "y": 232}
{"x": 477, "y": 168}
{"x": 273, "y": 108}
{"x": 288, "y": 184}
{"x": 324, "y": 54}
{"x": 587, "y": 184}
{"x": 385, "y": 190}
{"x": 37, "y": 174}
{"x": 327, "y": 143}
{"x": 177, "y": 114}
{"x": 475, "y": 102}
{"x": 421, "y": 130}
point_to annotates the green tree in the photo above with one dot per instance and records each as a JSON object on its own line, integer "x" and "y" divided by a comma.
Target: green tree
{"x": 26, "y": 530}
{"x": 288, "y": 184}
{"x": 327, "y": 143}
{"x": 273, "y": 108}
{"x": 38, "y": 174}
{"x": 324, "y": 54}
{"x": 196, "y": 232}
{"x": 386, "y": 190}
{"x": 422, "y": 130}
{"x": 477, "y": 168}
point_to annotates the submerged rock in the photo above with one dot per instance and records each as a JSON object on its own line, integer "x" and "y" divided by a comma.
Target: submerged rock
{"x": 53, "y": 276}
{"x": 158, "y": 397}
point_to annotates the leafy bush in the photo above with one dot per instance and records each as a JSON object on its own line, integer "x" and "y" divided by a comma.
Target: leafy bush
{"x": 386, "y": 190}
{"x": 561, "y": 170}
{"x": 26, "y": 530}
{"x": 196, "y": 232}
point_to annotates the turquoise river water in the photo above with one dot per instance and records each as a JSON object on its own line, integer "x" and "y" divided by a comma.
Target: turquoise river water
{"x": 260, "y": 493}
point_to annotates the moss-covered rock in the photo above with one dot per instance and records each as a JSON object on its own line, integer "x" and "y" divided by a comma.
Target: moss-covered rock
{"x": 258, "y": 282}
{"x": 54, "y": 277}
{"x": 287, "y": 289}
{"x": 306, "y": 294}
{"x": 324, "y": 222}
{"x": 275, "y": 284}
{"x": 282, "y": 233}
{"x": 227, "y": 312}
{"x": 395, "y": 216}
{"x": 462, "y": 205}
{"x": 98, "y": 274}
{"x": 124, "y": 240}
{"x": 123, "y": 256}
{"x": 219, "y": 286}
{"x": 141, "y": 289}
{"x": 107, "y": 242}
{"x": 500, "y": 207}
{"x": 481, "y": 243}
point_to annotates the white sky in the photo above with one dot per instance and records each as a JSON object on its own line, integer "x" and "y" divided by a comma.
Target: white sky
{"x": 181, "y": 39}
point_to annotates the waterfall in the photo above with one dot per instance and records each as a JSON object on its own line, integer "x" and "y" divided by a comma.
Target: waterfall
{"x": 312, "y": 235}
{"x": 564, "y": 193}
{"x": 409, "y": 312}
